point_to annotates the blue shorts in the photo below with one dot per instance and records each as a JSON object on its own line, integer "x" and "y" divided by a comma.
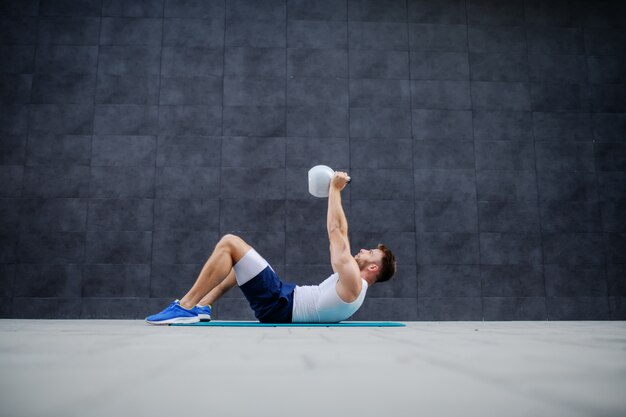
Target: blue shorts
{"x": 270, "y": 298}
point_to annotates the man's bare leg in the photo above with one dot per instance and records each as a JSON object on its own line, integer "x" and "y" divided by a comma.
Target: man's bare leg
{"x": 228, "y": 251}
{"x": 222, "y": 288}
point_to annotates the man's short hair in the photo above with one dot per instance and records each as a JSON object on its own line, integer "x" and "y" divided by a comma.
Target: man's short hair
{"x": 388, "y": 267}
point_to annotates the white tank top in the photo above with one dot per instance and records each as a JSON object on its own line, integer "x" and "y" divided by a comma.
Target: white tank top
{"x": 321, "y": 303}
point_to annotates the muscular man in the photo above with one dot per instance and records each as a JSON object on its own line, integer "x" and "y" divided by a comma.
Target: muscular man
{"x": 234, "y": 262}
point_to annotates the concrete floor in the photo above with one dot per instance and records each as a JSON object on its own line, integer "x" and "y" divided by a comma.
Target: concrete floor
{"x": 127, "y": 368}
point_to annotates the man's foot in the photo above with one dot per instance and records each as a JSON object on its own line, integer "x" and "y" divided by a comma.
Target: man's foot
{"x": 204, "y": 312}
{"x": 174, "y": 313}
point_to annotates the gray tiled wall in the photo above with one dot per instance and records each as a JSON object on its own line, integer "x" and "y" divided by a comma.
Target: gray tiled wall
{"x": 486, "y": 139}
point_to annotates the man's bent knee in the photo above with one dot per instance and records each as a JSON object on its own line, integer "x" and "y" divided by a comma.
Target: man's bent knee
{"x": 236, "y": 246}
{"x": 228, "y": 238}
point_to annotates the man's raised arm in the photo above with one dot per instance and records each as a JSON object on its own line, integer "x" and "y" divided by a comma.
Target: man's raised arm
{"x": 349, "y": 284}
{"x": 336, "y": 218}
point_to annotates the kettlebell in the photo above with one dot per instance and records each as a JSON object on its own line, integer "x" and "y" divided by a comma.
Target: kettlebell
{"x": 319, "y": 180}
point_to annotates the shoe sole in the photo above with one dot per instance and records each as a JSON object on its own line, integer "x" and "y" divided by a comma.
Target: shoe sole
{"x": 182, "y": 320}
{"x": 204, "y": 317}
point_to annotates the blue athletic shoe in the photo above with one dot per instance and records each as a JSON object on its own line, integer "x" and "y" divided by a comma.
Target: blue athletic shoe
{"x": 174, "y": 313}
{"x": 203, "y": 312}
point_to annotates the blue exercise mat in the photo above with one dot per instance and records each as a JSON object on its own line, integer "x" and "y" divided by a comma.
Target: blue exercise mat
{"x": 258, "y": 324}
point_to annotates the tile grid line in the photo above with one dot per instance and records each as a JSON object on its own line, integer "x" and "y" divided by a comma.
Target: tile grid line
{"x": 349, "y": 106}
{"x": 532, "y": 132}
{"x": 469, "y": 73}
{"x": 285, "y": 140}
{"x": 88, "y": 198}
{"x": 408, "y": 34}
{"x": 154, "y": 189}
{"x": 219, "y": 180}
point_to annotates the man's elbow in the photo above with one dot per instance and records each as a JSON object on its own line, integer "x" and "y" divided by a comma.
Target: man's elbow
{"x": 337, "y": 228}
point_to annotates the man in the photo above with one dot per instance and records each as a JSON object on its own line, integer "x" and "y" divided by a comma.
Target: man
{"x": 234, "y": 262}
